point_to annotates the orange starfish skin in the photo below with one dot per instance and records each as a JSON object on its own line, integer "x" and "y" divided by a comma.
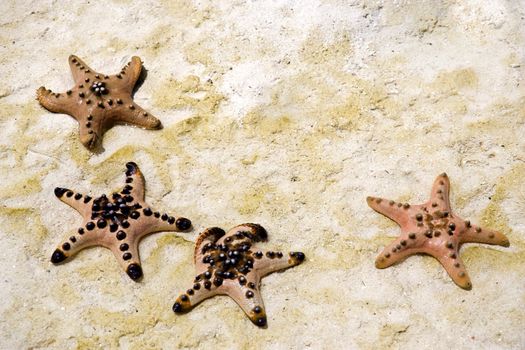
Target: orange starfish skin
{"x": 431, "y": 228}
{"x": 117, "y": 223}
{"x": 99, "y": 101}
{"x": 228, "y": 264}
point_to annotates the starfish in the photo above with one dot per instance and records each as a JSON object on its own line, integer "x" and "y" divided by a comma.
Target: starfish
{"x": 229, "y": 264}
{"x": 117, "y": 223}
{"x": 98, "y": 101}
{"x": 432, "y": 228}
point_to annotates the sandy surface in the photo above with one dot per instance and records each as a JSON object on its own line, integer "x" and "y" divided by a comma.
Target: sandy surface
{"x": 284, "y": 113}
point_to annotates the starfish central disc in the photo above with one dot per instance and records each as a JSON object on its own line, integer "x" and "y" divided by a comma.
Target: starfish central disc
{"x": 99, "y": 88}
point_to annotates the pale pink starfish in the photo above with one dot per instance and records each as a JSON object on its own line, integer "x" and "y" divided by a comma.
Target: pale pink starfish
{"x": 432, "y": 228}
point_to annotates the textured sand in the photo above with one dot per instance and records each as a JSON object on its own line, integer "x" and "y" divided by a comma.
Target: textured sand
{"x": 284, "y": 113}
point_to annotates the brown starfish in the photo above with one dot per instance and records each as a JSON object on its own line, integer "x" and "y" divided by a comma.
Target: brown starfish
{"x": 98, "y": 101}
{"x": 431, "y": 228}
{"x": 117, "y": 223}
{"x": 229, "y": 264}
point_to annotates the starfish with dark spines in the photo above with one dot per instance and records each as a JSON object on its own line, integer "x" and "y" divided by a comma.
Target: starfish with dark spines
{"x": 230, "y": 264}
{"x": 117, "y": 222}
{"x": 98, "y": 101}
{"x": 432, "y": 228}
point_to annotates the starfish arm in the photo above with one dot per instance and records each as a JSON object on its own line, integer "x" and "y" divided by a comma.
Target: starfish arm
{"x": 398, "y": 250}
{"x": 204, "y": 242}
{"x": 245, "y": 294}
{"x": 90, "y": 136}
{"x": 74, "y": 243}
{"x": 193, "y": 296}
{"x": 276, "y": 261}
{"x": 151, "y": 222}
{"x": 129, "y": 74}
{"x": 476, "y": 234}
{"x": 56, "y": 103}
{"x": 127, "y": 254}
{"x": 452, "y": 263}
{"x": 136, "y": 115}
{"x": 244, "y": 233}
{"x": 134, "y": 182}
{"x": 78, "y": 68}
{"x": 77, "y": 201}
{"x": 392, "y": 210}
{"x": 439, "y": 196}
{"x": 248, "y": 297}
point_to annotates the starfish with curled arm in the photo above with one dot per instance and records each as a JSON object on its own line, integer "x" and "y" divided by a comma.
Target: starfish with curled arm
{"x": 432, "y": 228}
{"x": 98, "y": 101}
{"x": 229, "y": 264}
{"x": 117, "y": 223}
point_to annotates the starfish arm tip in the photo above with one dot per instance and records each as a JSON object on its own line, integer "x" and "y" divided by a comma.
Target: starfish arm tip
{"x": 136, "y": 59}
{"x": 71, "y": 198}
{"x": 381, "y": 262}
{"x": 259, "y": 319}
{"x": 90, "y": 141}
{"x": 461, "y": 279}
{"x": 212, "y": 234}
{"x": 374, "y": 202}
{"x": 44, "y": 97}
{"x": 60, "y": 191}
{"x": 41, "y": 94}
{"x": 157, "y": 125}
{"x": 440, "y": 191}
{"x": 177, "y": 308}
{"x": 58, "y": 257}
{"x": 377, "y": 204}
{"x": 40, "y": 91}
{"x": 134, "y": 271}
{"x": 135, "y": 182}
{"x": 253, "y": 232}
{"x": 183, "y": 224}
{"x": 466, "y": 286}
{"x": 132, "y": 167}
{"x": 499, "y": 238}
{"x": 152, "y": 123}
{"x": 392, "y": 254}
{"x": 181, "y": 307}
{"x": 297, "y": 258}
{"x": 130, "y": 73}
{"x": 259, "y": 233}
